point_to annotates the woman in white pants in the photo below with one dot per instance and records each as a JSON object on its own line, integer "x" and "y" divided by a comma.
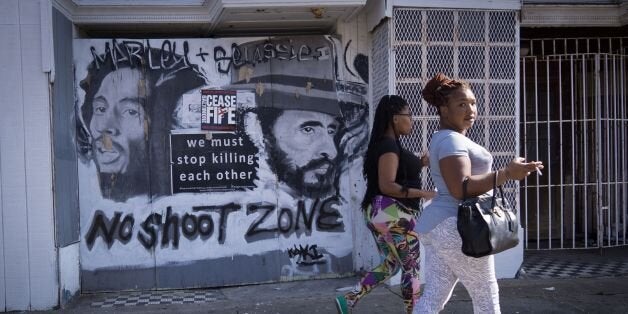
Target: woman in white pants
{"x": 454, "y": 157}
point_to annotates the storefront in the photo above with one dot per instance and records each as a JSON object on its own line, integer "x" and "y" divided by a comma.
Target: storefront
{"x": 183, "y": 144}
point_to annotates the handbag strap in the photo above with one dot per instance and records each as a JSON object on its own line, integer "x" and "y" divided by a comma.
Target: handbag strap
{"x": 464, "y": 188}
{"x": 501, "y": 190}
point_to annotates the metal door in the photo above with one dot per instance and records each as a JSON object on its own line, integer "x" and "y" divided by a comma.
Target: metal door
{"x": 573, "y": 117}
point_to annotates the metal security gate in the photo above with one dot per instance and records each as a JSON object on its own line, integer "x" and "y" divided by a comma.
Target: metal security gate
{"x": 479, "y": 46}
{"x": 574, "y": 118}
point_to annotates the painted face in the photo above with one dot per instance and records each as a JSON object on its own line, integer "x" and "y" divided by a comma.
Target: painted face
{"x": 403, "y": 121}
{"x": 306, "y": 141}
{"x": 118, "y": 122}
{"x": 460, "y": 112}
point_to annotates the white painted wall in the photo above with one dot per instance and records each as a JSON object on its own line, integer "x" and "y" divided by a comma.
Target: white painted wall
{"x": 27, "y": 250}
{"x": 355, "y": 31}
{"x": 69, "y": 278}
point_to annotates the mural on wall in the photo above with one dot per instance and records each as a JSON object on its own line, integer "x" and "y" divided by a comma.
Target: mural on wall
{"x": 195, "y": 152}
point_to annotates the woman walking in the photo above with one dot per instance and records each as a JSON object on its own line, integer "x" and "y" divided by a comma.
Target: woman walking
{"x": 392, "y": 177}
{"x": 454, "y": 158}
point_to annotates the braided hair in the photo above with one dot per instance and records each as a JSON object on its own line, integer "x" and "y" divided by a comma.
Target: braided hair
{"x": 387, "y": 107}
{"x": 439, "y": 88}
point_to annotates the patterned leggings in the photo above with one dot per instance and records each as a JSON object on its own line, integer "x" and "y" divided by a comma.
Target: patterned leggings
{"x": 398, "y": 244}
{"x": 445, "y": 264}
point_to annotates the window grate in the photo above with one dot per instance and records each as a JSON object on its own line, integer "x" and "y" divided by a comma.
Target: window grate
{"x": 475, "y": 45}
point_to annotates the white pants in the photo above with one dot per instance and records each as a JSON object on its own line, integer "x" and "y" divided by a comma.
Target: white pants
{"x": 445, "y": 264}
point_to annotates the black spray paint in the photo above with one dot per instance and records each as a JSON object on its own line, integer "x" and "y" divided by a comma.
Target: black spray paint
{"x": 201, "y": 223}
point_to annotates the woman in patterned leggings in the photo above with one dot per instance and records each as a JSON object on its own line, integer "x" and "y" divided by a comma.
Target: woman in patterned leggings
{"x": 389, "y": 204}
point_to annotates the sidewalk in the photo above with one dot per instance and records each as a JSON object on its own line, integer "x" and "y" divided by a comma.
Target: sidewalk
{"x": 573, "y": 295}
{"x": 563, "y": 281}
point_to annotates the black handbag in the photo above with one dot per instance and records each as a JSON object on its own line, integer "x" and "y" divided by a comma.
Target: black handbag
{"x": 487, "y": 224}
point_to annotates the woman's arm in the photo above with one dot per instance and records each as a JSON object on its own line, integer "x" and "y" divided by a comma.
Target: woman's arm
{"x": 387, "y": 172}
{"x": 455, "y": 168}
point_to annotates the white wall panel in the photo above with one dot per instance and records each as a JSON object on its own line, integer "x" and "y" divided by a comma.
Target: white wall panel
{"x": 15, "y": 225}
{"x": 38, "y": 171}
{"x": 27, "y": 252}
{"x": 356, "y": 40}
{"x": 69, "y": 277}
{"x": 8, "y": 12}
{"x": 8, "y": 21}
{"x": 29, "y": 12}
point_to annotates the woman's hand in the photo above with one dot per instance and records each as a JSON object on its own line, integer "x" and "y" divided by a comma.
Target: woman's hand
{"x": 425, "y": 160}
{"x": 518, "y": 168}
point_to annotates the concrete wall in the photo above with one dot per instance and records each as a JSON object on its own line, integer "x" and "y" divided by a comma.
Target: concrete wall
{"x": 28, "y": 265}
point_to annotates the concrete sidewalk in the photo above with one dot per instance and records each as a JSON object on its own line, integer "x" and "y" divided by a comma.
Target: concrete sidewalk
{"x": 571, "y": 295}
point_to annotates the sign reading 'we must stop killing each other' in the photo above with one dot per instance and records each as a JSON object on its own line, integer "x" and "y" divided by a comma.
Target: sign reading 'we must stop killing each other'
{"x": 226, "y": 162}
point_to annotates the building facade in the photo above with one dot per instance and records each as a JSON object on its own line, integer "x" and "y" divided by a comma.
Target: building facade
{"x": 191, "y": 143}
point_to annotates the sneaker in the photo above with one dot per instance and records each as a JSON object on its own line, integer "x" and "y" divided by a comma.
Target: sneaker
{"x": 341, "y": 305}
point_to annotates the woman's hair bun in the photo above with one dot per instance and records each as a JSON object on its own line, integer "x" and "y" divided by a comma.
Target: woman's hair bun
{"x": 431, "y": 90}
{"x": 438, "y": 89}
